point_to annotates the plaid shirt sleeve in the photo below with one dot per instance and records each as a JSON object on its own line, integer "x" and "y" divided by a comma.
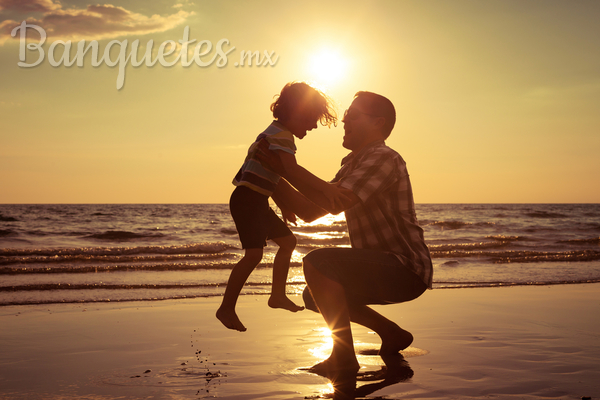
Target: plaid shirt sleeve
{"x": 371, "y": 175}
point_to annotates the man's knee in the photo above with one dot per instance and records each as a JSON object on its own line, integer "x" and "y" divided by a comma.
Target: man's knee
{"x": 310, "y": 273}
{"x": 315, "y": 255}
{"x": 306, "y": 266}
{"x": 309, "y": 261}
{"x": 309, "y": 302}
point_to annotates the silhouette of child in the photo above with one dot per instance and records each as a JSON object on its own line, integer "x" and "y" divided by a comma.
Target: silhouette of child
{"x": 296, "y": 110}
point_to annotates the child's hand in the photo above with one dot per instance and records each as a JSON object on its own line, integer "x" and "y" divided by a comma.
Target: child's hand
{"x": 288, "y": 216}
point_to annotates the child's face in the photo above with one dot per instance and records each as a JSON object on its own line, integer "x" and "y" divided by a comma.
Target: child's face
{"x": 300, "y": 123}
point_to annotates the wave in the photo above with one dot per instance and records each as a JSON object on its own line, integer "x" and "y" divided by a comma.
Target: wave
{"x": 82, "y": 269}
{"x": 7, "y": 219}
{"x": 545, "y": 214}
{"x": 95, "y": 286}
{"x": 81, "y": 258}
{"x": 507, "y": 238}
{"x": 125, "y": 300}
{"x": 194, "y": 248}
{"x": 61, "y": 294}
{"x": 214, "y": 255}
{"x": 456, "y": 224}
{"x": 436, "y": 284}
{"x": 7, "y": 232}
{"x": 592, "y": 226}
{"x": 123, "y": 235}
{"x": 591, "y": 214}
{"x": 464, "y": 285}
{"x": 512, "y": 256}
{"x": 469, "y": 246}
{"x": 595, "y": 240}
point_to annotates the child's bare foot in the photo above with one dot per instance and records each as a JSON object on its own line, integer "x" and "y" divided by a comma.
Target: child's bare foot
{"x": 396, "y": 341}
{"x": 230, "y": 319}
{"x": 284, "y": 302}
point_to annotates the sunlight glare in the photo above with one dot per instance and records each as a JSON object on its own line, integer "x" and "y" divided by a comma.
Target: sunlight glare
{"x": 325, "y": 220}
{"x": 323, "y": 350}
{"x": 328, "y": 67}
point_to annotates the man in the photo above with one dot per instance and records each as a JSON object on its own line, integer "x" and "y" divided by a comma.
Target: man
{"x": 388, "y": 262}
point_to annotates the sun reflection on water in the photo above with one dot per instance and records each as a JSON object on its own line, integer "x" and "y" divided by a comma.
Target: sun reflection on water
{"x": 323, "y": 349}
{"x": 327, "y": 391}
{"x": 329, "y": 230}
{"x": 325, "y": 220}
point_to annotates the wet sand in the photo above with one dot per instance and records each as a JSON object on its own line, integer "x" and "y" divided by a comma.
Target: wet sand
{"x": 533, "y": 342}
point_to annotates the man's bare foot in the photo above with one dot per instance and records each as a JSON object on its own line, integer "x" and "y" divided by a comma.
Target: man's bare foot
{"x": 331, "y": 369}
{"x": 395, "y": 342}
{"x": 284, "y": 302}
{"x": 229, "y": 318}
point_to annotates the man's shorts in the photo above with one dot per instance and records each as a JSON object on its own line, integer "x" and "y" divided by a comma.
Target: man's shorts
{"x": 368, "y": 276}
{"x": 254, "y": 219}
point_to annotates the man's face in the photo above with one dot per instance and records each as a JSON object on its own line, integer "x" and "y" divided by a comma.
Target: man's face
{"x": 358, "y": 125}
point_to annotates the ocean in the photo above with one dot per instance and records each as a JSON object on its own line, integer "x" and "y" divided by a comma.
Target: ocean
{"x": 138, "y": 252}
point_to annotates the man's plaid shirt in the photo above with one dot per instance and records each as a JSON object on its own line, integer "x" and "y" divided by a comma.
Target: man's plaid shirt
{"x": 385, "y": 218}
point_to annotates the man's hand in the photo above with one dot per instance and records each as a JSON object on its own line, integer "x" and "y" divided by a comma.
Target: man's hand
{"x": 340, "y": 199}
{"x": 343, "y": 200}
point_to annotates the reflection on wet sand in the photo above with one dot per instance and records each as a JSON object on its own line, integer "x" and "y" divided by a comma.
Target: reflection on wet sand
{"x": 395, "y": 370}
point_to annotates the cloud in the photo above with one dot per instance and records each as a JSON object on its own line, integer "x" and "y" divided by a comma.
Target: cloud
{"x": 100, "y": 21}
{"x": 29, "y": 6}
{"x": 575, "y": 94}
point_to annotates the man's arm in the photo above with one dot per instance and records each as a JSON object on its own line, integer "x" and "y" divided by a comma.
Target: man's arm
{"x": 345, "y": 198}
{"x": 323, "y": 193}
{"x": 308, "y": 184}
{"x": 285, "y": 196}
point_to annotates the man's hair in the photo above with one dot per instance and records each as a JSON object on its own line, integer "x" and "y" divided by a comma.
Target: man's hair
{"x": 301, "y": 96}
{"x": 380, "y": 106}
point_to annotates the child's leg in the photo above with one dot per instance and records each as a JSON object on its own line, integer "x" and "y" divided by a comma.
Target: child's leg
{"x": 281, "y": 265}
{"x": 239, "y": 275}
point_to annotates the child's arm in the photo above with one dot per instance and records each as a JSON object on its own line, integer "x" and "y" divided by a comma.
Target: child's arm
{"x": 287, "y": 214}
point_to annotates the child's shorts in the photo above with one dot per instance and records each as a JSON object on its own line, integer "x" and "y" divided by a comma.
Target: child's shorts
{"x": 254, "y": 220}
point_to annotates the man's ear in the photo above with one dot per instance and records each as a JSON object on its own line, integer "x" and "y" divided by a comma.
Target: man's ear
{"x": 379, "y": 123}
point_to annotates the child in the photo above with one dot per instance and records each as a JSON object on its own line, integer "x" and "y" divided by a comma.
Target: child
{"x": 297, "y": 110}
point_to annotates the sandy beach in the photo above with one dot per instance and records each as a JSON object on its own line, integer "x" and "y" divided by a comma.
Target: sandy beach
{"x": 533, "y": 342}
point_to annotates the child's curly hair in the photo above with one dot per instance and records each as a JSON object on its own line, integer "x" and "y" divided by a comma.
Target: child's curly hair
{"x": 300, "y": 95}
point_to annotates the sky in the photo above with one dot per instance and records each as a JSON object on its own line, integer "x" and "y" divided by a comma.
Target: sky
{"x": 497, "y": 100}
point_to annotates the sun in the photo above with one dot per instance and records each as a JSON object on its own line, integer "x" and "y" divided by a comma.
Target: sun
{"x": 328, "y": 67}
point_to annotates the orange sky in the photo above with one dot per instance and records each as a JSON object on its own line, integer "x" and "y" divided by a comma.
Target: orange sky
{"x": 497, "y": 100}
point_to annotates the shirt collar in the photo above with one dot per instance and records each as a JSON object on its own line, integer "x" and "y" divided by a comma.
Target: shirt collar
{"x": 279, "y": 125}
{"x": 354, "y": 155}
